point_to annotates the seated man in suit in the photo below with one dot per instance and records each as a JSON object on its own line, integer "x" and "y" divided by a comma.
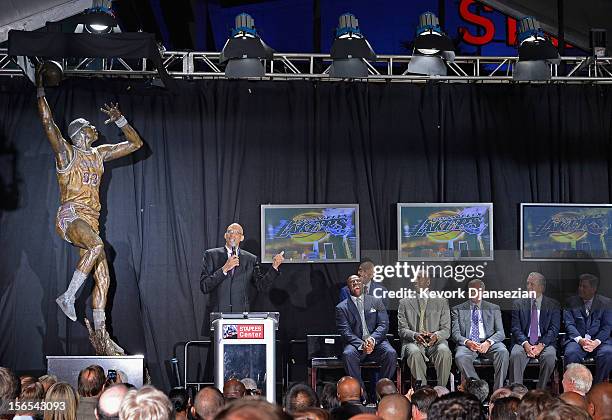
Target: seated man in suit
{"x": 535, "y": 326}
{"x": 373, "y": 288}
{"x": 424, "y": 327}
{"x": 477, "y": 329}
{"x": 588, "y": 320}
{"x": 362, "y": 321}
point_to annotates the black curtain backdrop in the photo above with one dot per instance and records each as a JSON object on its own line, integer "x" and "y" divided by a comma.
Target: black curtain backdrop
{"x": 215, "y": 150}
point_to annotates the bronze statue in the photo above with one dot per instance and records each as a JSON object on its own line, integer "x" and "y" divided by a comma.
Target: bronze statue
{"x": 79, "y": 169}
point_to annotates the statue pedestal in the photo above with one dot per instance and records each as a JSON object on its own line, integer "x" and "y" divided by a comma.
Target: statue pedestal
{"x": 67, "y": 368}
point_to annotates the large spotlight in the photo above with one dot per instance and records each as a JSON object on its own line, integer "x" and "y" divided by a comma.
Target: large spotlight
{"x": 431, "y": 48}
{"x": 350, "y": 49}
{"x": 536, "y": 52}
{"x": 244, "y": 50}
{"x": 98, "y": 19}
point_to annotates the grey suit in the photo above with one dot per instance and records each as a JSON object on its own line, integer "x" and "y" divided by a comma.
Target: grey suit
{"x": 493, "y": 331}
{"x": 437, "y": 319}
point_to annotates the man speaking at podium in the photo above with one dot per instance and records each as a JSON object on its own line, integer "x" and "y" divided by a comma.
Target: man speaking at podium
{"x": 229, "y": 271}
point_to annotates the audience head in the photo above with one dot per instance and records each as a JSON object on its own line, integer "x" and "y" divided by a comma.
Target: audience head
{"x": 599, "y": 400}
{"x": 300, "y": 396}
{"x": 534, "y": 403}
{"x": 251, "y": 386}
{"x": 91, "y": 381}
{"x": 564, "y": 412}
{"x": 504, "y": 408}
{"x": 252, "y": 408}
{"x": 496, "y": 395}
{"x": 109, "y": 402}
{"x": 33, "y": 391}
{"x": 366, "y": 416}
{"x": 394, "y": 406}
{"x": 61, "y": 393}
{"x": 312, "y": 413}
{"x": 421, "y": 400}
{"x": 385, "y": 387}
{"x": 179, "y": 400}
{"x": 9, "y": 388}
{"x": 329, "y": 396}
{"x": 518, "y": 390}
{"x": 207, "y": 403}
{"x": 47, "y": 381}
{"x": 348, "y": 389}
{"x": 577, "y": 378}
{"x": 441, "y": 390}
{"x": 574, "y": 398}
{"x": 456, "y": 406}
{"x": 147, "y": 403}
{"x": 587, "y": 286}
{"x": 233, "y": 389}
{"x": 479, "y": 388}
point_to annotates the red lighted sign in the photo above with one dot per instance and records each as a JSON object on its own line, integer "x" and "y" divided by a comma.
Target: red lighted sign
{"x": 249, "y": 331}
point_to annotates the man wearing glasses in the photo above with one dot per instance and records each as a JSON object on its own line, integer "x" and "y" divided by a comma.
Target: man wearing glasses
{"x": 229, "y": 272}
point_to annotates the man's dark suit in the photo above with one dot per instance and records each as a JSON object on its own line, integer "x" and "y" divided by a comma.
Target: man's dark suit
{"x": 348, "y": 409}
{"x": 374, "y": 289}
{"x": 549, "y": 324}
{"x": 230, "y": 293}
{"x": 598, "y": 325}
{"x": 349, "y": 327}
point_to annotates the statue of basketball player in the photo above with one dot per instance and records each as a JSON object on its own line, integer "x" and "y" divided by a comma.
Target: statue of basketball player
{"x": 79, "y": 170}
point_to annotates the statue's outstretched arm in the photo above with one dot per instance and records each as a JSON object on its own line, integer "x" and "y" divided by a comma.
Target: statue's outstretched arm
{"x": 133, "y": 143}
{"x": 62, "y": 149}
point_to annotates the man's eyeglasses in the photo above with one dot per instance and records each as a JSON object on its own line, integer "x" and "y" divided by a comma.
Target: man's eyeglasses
{"x": 234, "y": 232}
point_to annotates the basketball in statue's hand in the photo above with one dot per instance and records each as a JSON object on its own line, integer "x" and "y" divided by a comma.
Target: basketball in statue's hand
{"x": 52, "y": 73}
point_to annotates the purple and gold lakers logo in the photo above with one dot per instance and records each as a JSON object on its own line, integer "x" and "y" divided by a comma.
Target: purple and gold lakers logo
{"x": 571, "y": 227}
{"x": 315, "y": 226}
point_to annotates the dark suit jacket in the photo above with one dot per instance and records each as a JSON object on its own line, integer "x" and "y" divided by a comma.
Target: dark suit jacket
{"x": 461, "y": 316}
{"x": 230, "y": 293}
{"x": 344, "y": 292}
{"x": 597, "y": 324}
{"x": 550, "y": 320}
{"x": 348, "y": 409}
{"x": 348, "y": 320}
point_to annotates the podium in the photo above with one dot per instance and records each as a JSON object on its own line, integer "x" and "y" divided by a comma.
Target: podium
{"x": 245, "y": 347}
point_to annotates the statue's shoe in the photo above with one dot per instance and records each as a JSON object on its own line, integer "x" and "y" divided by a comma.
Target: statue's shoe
{"x": 66, "y": 304}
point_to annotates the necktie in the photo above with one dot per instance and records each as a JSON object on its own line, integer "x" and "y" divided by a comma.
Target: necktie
{"x": 421, "y": 315}
{"x": 364, "y": 325}
{"x": 533, "y": 326}
{"x": 365, "y": 289}
{"x": 474, "y": 333}
{"x": 587, "y": 308}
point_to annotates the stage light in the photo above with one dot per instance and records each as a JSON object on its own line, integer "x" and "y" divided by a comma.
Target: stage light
{"x": 350, "y": 49}
{"x": 431, "y": 48}
{"x": 98, "y": 19}
{"x": 244, "y": 50}
{"x": 536, "y": 52}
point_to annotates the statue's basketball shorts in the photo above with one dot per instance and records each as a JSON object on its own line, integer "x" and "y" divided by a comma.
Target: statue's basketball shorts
{"x": 69, "y": 212}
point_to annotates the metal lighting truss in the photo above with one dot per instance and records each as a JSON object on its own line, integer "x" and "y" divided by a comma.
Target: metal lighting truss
{"x": 205, "y": 65}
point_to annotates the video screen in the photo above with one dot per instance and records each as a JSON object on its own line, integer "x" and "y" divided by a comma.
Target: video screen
{"x": 559, "y": 232}
{"x": 310, "y": 233}
{"x": 445, "y": 231}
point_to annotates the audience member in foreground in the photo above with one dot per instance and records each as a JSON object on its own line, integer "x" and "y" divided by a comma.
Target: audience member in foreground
{"x": 90, "y": 384}
{"x": 299, "y": 397}
{"x": 394, "y": 407}
{"x": 9, "y": 390}
{"x": 564, "y": 412}
{"x": 577, "y": 378}
{"x": 599, "y": 400}
{"x": 62, "y": 394}
{"x": 233, "y": 389}
{"x": 207, "y": 403}
{"x": 385, "y": 387}
{"x": 504, "y": 408}
{"x": 479, "y": 388}
{"x": 180, "y": 402}
{"x": 421, "y": 401}
{"x": 456, "y": 406}
{"x": 536, "y": 402}
{"x": 147, "y": 403}
{"x": 574, "y": 398}
{"x": 312, "y": 413}
{"x": 109, "y": 402}
{"x": 349, "y": 395}
{"x": 251, "y": 408}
